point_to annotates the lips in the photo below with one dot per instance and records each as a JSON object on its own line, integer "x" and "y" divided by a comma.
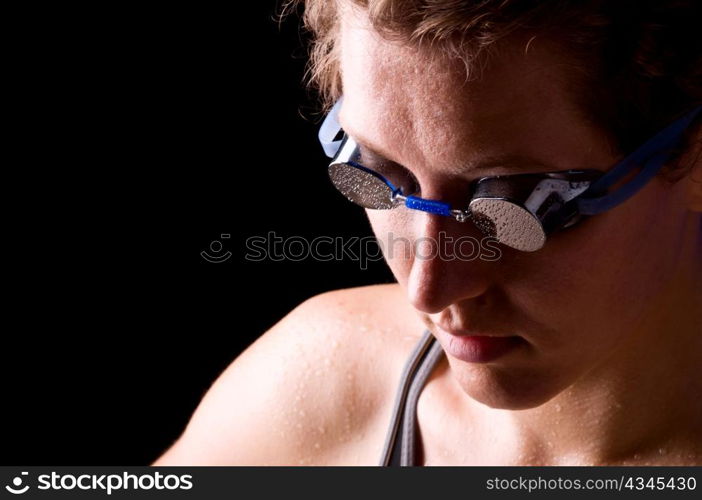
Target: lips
{"x": 477, "y": 348}
{"x": 471, "y": 333}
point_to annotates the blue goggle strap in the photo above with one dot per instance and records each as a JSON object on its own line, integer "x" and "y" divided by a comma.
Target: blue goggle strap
{"x": 430, "y": 206}
{"x": 654, "y": 152}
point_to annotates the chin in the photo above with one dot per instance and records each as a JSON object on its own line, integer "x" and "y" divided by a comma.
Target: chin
{"x": 506, "y": 388}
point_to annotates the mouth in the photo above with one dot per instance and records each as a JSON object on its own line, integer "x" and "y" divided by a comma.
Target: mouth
{"x": 464, "y": 332}
{"x": 471, "y": 333}
{"x": 477, "y": 347}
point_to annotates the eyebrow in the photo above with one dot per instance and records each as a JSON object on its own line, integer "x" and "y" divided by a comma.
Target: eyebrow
{"x": 489, "y": 162}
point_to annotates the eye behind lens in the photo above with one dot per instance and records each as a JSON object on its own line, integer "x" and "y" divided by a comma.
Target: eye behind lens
{"x": 396, "y": 174}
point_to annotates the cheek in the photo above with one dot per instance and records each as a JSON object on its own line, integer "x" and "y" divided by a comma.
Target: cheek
{"x": 596, "y": 281}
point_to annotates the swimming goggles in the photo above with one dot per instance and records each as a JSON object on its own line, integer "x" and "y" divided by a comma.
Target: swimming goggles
{"x": 519, "y": 210}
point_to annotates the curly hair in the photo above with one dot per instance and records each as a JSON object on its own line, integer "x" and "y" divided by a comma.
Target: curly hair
{"x": 640, "y": 61}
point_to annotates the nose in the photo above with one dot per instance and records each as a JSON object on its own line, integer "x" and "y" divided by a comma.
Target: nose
{"x": 446, "y": 263}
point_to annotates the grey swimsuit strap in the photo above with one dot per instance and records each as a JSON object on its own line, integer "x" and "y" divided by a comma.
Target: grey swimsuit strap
{"x": 399, "y": 448}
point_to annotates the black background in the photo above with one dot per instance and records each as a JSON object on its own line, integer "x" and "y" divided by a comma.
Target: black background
{"x": 147, "y": 135}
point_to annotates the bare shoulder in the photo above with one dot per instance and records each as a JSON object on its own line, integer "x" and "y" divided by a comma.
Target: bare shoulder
{"x": 316, "y": 389}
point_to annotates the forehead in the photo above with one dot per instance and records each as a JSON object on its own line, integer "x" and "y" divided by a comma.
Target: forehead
{"x": 519, "y": 98}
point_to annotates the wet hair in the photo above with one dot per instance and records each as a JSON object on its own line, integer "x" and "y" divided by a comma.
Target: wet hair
{"x": 638, "y": 62}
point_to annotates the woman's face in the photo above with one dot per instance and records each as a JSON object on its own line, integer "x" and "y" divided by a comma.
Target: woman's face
{"x": 579, "y": 301}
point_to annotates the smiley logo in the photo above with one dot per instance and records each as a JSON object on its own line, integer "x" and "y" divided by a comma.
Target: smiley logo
{"x": 17, "y": 482}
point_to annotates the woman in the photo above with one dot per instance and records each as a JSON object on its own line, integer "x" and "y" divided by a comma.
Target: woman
{"x": 598, "y": 317}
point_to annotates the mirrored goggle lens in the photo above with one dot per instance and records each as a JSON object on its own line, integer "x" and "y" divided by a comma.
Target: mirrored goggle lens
{"x": 522, "y": 209}
{"x": 361, "y": 186}
{"x": 509, "y": 223}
